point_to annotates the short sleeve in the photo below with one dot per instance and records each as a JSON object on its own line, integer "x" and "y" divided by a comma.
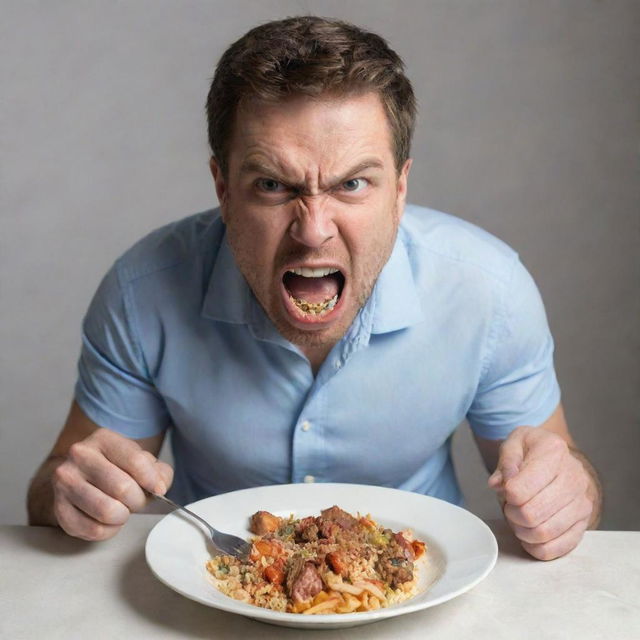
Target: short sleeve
{"x": 518, "y": 385}
{"x": 114, "y": 387}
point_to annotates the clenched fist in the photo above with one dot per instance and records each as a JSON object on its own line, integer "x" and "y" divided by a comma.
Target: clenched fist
{"x": 547, "y": 492}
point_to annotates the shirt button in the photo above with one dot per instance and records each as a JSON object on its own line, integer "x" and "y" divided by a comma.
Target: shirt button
{"x": 306, "y": 425}
{"x": 337, "y": 364}
{"x": 309, "y": 479}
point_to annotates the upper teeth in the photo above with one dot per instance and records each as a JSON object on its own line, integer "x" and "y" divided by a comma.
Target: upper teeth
{"x": 307, "y": 272}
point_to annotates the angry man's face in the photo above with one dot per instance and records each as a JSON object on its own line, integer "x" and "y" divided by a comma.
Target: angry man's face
{"x": 312, "y": 200}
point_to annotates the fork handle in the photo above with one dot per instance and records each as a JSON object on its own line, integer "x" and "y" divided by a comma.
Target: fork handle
{"x": 177, "y": 506}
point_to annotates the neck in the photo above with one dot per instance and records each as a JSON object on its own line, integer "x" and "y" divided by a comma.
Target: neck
{"x": 316, "y": 356}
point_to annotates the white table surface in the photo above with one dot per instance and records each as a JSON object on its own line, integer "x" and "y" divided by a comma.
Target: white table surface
{"x": 53, "y": 586}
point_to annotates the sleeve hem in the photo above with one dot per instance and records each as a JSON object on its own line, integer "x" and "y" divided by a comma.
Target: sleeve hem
{"x": 123, "y": 425}
{"x": 532, "y": 419}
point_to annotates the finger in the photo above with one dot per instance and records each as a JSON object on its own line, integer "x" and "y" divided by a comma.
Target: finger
{"x": 554, "y": 497}
{"x": 71, "y": 486}
{"x": 130, "y": 457}
{"x": 511, "y": 454}
{"x": 495, "y": 479}
{"x": 576, "y": 511}
{"x": 532, "y": 479}
{"x": 543, "y": 460}
{"x": 567, "y": 486}
{"x": 166, "y": 473}
{"x": 559, "y": 546}
{"x": 495, "y": 483}
{"x": 79, "y": 525}
{"x": 106, "y": 476}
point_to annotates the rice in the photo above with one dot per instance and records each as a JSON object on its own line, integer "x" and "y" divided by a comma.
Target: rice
{"x": 331, "y": 563}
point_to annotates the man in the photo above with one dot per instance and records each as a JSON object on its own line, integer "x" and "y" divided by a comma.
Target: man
{"x": 314, "y": 328}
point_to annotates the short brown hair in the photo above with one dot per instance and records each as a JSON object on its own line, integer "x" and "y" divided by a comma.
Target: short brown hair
{"x": 308, "y": 55}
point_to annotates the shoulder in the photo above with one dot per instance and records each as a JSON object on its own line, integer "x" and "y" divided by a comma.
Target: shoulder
{"x": 436, "y": 239}
{"x": 191, "y": 240}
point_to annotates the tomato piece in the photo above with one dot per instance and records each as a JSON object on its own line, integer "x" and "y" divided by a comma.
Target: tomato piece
{"x": 335, "y": 561}
{"x": 274, "y": 574}
{"x": 269, "y": 548}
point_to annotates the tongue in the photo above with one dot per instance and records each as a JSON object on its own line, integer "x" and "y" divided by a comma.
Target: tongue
{"x": 314, "y": 290}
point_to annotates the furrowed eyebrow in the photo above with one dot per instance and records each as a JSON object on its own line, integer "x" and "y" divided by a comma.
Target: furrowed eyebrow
{"x": 253, "y": 165}
{"x": 369, "y": 163}
{"x": 256, "y": 166}
{"x": 372, "y": 163}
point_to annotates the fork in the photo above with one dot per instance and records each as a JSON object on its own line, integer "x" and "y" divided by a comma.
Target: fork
{"x": 229, "y": 545}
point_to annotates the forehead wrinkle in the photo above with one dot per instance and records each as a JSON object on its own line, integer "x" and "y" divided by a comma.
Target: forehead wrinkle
{"x": 271, "y": 164}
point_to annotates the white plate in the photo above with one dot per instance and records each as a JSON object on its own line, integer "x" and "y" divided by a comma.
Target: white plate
{"x": 461, "y": 548}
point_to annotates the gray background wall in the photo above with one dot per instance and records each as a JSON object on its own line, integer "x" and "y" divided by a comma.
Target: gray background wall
{"x": 528, "y": 127}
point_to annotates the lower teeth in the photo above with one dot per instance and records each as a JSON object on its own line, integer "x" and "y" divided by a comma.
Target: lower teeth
{"x": 315, "y": 307}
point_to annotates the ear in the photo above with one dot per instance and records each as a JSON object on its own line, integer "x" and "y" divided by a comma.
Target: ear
{"x": 401, "y": 192}
{"x": 221, "y": 186}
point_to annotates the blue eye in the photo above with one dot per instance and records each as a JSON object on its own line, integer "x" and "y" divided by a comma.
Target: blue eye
{"x": 354, "y": 185}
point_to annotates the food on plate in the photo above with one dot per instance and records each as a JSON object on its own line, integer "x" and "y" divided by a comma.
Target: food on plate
{"x": 331, "y": 563}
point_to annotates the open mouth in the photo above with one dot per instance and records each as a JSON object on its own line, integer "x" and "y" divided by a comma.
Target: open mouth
{"x": 314, "y": 291}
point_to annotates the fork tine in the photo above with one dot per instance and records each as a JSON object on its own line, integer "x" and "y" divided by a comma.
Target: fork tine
{"x": 230, "y": 544}
{"x": 224, "y": 542}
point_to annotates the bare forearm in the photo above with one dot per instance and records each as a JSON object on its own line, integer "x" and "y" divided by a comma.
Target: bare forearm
{"x": 40, "y": 494}
{"x": 595, "y": 487}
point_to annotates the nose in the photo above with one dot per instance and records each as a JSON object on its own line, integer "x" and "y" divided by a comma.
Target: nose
{"x": 313, "y": 224}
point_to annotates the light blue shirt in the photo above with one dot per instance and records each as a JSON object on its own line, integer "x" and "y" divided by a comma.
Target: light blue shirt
{"x": 454, "y": 328}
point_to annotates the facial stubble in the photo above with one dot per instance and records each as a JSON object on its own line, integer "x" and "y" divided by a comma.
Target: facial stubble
{"x": 271, "y": 303}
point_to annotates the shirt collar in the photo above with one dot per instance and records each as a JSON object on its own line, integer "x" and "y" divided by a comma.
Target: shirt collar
{"x": 395, "y": 303}
{"x": 230, "y": 299}
{"x": 228, "y": 296}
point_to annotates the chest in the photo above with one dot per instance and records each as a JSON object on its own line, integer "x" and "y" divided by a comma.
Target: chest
{"x": 256, "y": 408}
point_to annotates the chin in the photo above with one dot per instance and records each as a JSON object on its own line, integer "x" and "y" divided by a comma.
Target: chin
{"x": 322, "y": 331}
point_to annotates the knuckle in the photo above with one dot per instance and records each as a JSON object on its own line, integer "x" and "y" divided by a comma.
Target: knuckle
{"x": 560, "y": 444}
{"x": 544, "y": 532}
{"x": 542, "y": 552}
{"x": 115, "y": 514}
{"x": 108, "y": 511}
{"x": 148, "y": 456}
{"x": 529, "y": 516}
{"x": 62, "y": 476}
{"x": 78, "y": 451}
{"x": 105, "y": 512}
{"x": 121, "y": 489}
{"x": 139, "y": 463}
{"x": 92, "y": 531}
{"x": 513, "y": 493}
{"x": 545, "y": 553}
